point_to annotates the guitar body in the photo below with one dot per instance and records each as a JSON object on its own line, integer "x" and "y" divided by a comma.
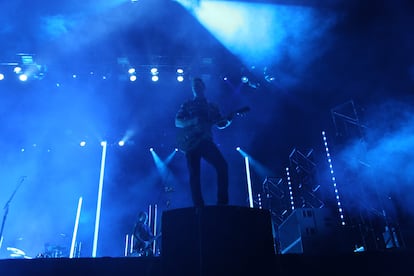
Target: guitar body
{"x": 189, "y": 138}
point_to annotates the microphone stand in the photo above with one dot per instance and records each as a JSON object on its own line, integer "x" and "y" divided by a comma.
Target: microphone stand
{"x": 6, "y": 208}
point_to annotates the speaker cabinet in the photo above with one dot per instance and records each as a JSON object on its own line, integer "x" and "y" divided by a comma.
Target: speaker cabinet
{"x": 312, "y": 231}
{"x": 216, "y": 239}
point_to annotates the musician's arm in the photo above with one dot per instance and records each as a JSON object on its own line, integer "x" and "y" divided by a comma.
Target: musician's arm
{"x": 221, "y": 122}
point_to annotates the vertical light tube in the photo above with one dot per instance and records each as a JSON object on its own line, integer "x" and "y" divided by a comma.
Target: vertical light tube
{"x": 149, "y": 215}
{"x": 292, "y": 202}
{"x": 126, "y": 245}
{"x": 155, "y": 228}
{"x": 333, "y": 179}
{"x": 98, "y": 205}
{"x": 75, "y": 229}
{"x": 249, "y": 182}
{"x": 131, "y": 246}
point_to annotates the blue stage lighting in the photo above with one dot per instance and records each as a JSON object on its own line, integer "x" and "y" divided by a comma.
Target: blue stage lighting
{"x": 333, "y": 178}
{"x": 17, "y": 69}
{"x": 23, "y": 77}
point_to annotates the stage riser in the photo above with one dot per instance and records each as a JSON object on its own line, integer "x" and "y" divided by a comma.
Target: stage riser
{"x": 215, "y": 239}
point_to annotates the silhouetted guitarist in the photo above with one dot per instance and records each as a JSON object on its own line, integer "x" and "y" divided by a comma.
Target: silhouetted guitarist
{"x": 195, "y": 119}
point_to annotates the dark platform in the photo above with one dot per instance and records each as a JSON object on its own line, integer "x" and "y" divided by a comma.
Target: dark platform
{"x": 364, "y": 263}
{"x": 225, "y": 240}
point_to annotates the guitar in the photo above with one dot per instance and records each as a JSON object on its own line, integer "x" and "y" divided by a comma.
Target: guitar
{"x": 150, "y": 241}
{"x": 189, "y": 137}
{"x": 144, "y": 248}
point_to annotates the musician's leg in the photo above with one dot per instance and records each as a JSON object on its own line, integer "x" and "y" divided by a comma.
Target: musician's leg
{"x": 193, "y": 164}
{"x": 213, "y": 155}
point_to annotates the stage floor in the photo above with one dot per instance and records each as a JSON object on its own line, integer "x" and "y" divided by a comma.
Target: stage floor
{"x": 362, "y": 263}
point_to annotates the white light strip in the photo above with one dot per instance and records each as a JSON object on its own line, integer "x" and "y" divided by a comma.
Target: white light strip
{"x": 131, "y": 247}
{"x": 98, "y": 205}
{"x": 292, "y": 202}
{"x": 249, "y": 182}
{"x": 75, "y": 229}
{"x": 333, "y": 179}
{"x": 149, "y": 215}
{"x": 155, "y": 228}
{"x": 126, "y": 245}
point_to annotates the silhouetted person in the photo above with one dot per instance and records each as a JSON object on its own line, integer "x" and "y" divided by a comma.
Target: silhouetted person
{"x": 143, "y": 236}
{"x": 195, "y": 118}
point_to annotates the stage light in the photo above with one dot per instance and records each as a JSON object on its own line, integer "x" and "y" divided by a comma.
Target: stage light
{"x": 292, "y": 202}
{"x": 151, "y": 149}
{"x": 131, "y": 70}
{"x": 17, "y": 69}
{"x": 23, "y": 77}
{"x": 154, "y": 73}
{"x": 180, "y": 75}
{"x": 333, "y": 178}
{"x": 121, "y": 143}
{"x": 1, "y": 76}
{"x": 82, "y": 143}
{"x": 244, "y": 79}
{"x": 133, "y": 78}
{"x": 103, "y": 143}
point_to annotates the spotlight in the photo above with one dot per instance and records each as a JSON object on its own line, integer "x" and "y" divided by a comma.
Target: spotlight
{"x": 82, "y": 143}
{"x": 17, "y": 69}
{"x": 151, "y": 149}
{"x": 154, "y": 73}
{"x": 238, "y": 148}
{"x": 132, "y": 74}
{"x": 121, "y": 143}
{"x": 1, "y": 76}
{"x": 244, "y": 79}
{"x": 180, "y": 75}
{"x": 103, "y": 143}
{"x": 23, "y": 77}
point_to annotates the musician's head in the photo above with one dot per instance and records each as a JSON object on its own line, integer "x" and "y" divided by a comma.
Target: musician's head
{"x": 198, "y": 86}
{"x": 143, "y": 217}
